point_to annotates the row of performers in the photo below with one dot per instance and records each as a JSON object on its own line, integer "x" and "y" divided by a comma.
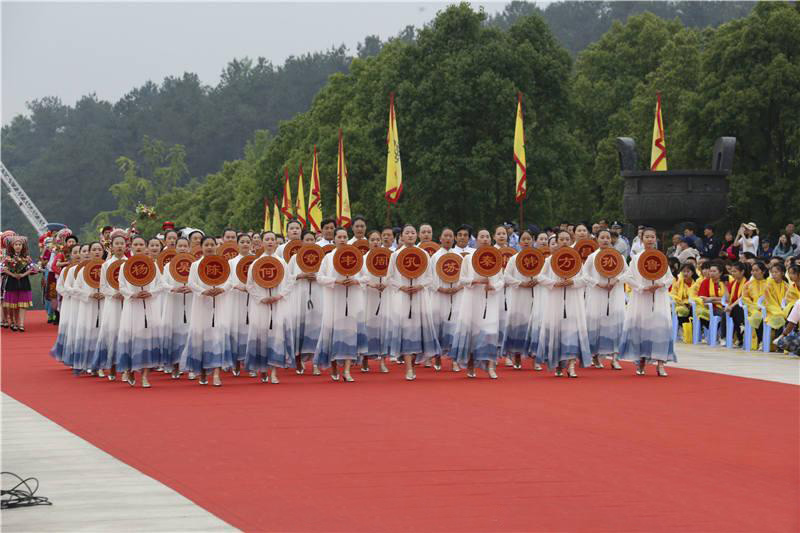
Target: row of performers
{"x": 337, "y": 321}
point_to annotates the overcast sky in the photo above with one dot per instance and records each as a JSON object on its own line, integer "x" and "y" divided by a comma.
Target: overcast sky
{"x": 72, "y": 49}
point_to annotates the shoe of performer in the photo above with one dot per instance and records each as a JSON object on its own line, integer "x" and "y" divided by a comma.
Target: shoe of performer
{"x": 300, "y": 371}
{"x": 571, "y": 370}
{"x": 131, "y": 379}
{"x": 456, "y": 368}
{"x": 145, "y": 383}
{"x": 216, "y": 381}
{"x": 236, "y": 373}
{"x": 316, "y": 371}
{"x": 124, "y": 376}
{"x": 492, "y": 373}
{"x": 365, "y": 368}
{"x": 176, "y": 374}
{"x": 537, "y": 367}
{"x": 559, "y": 371}
{"x": 410, "y": 375}
{"x": 640, "y": 368}
{"x": 509, "y": 362}
{"x": 384, "y": 368}
{"x": 661, "y": 370}
{"x": 100, "y": 373}
{"x": 347, "y": 377}
{"x": 273, "y": 377}
{"x": 335, "y": 377}
{"x": 615, "y": 364}
{"x": 428, "y": 363}
{"x": 191, "y": 376}
{"x": 253, "y": 374}
{"x": 470, "y": 373}
{"x": 112, "y": 376}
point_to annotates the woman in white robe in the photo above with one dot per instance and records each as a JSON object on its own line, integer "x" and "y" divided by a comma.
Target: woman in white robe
{"x": 343, "y": 335}
{"x": 177, "y": 298}
{"x": 374, "y": 312}
{"x": 501, "y": 241}
{"x": 306, "y": 299}
{"x": 88, "y": 313}
{"x": 605, "y": 307}
{"x": 236, "y": 303}
{"x": 563, "y": 338}
{"x": 72, "y": 355}
{"x": 647, "y": 331}
{"x": 139, "y": 339}
{"x": 105, "y": 351}
{"x": 520, "y": 294}
{"x": 540, "y": 295}
{"x": 270, "y": 334}
{"x": 206, "y": 347}
{"x": 410, "y": 333}
{"x": 477, "y": 338}
{"x": 445, "y": 301}
{"x": 64, "y": 289}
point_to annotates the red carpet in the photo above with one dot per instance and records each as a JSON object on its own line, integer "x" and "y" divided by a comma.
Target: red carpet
{"x": 608, "y": 451}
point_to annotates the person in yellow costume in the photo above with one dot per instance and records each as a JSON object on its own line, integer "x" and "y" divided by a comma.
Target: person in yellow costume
{"x": 779, "y": 297}
{"x": 751, "y": 294}
{"x": 701, "y": 276}
{"x": 679, "y": 292}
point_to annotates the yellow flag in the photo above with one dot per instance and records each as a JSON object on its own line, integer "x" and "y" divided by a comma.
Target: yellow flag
{"x": 342, "y": 196}
{"x": 519, "y": 155}
{"x": 276, "y": 218}
{"x": 286, "y": 206}
{"x": 300, "y": 206}
{"x": 658, "y": 153}
{"x": 314, "y": 197}
{"x": 394, "y": 171}
{"x": 267, "y": 223}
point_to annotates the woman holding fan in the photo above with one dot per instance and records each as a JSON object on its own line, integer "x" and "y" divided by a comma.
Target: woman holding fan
{"x": 205, "y": 346}
{"x": 647, "y": 331}
{"x": 139, "y": 340}
{"x": 605, "y": 300}
{"x": 563, "y": 338}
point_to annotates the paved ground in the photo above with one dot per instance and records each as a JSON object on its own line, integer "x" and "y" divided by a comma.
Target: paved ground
{"x": 90, "y": 490}
{"x": 93, "y": 491}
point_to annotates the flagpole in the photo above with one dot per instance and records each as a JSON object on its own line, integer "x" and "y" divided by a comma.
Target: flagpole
{"x": 521, "y": 224}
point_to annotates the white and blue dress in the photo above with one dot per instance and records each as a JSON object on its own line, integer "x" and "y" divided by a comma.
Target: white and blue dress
{"x": 563, "y": 334}
{"x": 647, "y": 330}
{"x": 206, "y": 345}
{"x": 478, "y": 331}
{"x": 140, "y": 327}
{"x": 307, "y": 303}
{"x": 176, "y": 313}
{"x": 270, "y": 334}
{"x": 605, "y": 310}
{"x": 343, "y": 333}
{"x": 409, "y": 320}
{"x": 236, "y": 302}
{"x": 105, "y": 351}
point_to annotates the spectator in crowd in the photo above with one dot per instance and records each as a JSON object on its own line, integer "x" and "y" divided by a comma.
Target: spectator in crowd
{"x": 784, "y": 248}
{"x": 596, "y": 228}
{"x": 672, "y": 249}
{"x": 748, "y": 257}
{"x": 747, "y": 238}
{"x": 728, "y": 250}
{"x": 619, "y": 243}
{"x": 684, "y": 250}
{"x": 764, "y": 250}
{"x": 637, "y": 246}
{"x": 696, "y": 242}
{"x": 794, "y": 238}
{"x": 711, "y": 243}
